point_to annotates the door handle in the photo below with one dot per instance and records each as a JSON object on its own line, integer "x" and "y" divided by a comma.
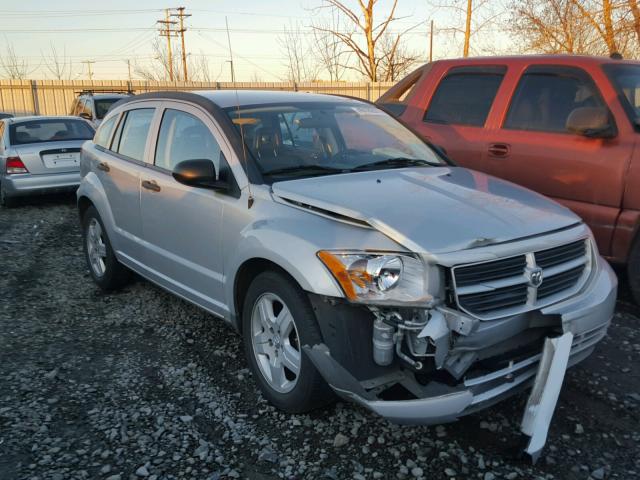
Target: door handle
{"x": 499, "y": 149}
{"x": 151, "y": 185}
{"x": 104, "y": 166}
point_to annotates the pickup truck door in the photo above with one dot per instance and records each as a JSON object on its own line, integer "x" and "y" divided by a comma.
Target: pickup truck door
{"x": 453, "y": 106}
{"x": 528, "y": 144}
{"x": 118, "y": 163}
{"x": 183, "y": 224}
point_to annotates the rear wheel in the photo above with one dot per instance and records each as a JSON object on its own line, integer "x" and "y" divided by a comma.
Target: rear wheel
{"x": 5, "y": 201}
{"x": 103, "y": 265}
{"x": 633, "y": 270}
{"x": 277, "y": 321}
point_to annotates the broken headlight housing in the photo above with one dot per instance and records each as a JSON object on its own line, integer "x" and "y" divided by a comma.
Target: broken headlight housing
{"x": 378, "y": 278}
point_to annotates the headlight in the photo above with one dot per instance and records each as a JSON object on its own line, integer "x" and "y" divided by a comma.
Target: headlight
{"x": 378, "y": 277}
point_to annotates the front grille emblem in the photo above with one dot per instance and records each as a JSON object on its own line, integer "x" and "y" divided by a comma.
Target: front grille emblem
{"x": 535, "y": 276}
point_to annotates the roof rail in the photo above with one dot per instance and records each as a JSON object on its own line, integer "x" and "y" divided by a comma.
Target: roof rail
{"x": 105, "y": 90}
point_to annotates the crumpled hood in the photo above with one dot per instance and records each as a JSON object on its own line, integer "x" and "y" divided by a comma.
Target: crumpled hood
{"x": 436, "y": 210}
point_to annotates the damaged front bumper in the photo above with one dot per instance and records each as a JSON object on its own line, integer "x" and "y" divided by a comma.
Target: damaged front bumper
{"x": 584, "y": 317}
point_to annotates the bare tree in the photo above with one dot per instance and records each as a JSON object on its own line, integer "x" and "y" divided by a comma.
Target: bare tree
{"x": 330, "y": 50}
{"x": 396, "y": 60}
{"x": 158, "y": 68}
{"x": 300, "y": 61}
{"x": 59, "y": 66}
{"x": 199, "y": 68}
{"x": 592, "y": 27}
{"x": 635, "y": 13}
{"x": 13, "y": 67}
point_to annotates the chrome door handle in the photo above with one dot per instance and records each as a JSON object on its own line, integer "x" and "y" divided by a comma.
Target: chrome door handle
{"x": 151, "y": 185}
{"x": 104, "y": 166}
{"x": 499, "y": 149}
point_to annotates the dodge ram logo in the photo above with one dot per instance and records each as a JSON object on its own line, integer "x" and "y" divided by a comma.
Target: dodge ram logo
{"x": 535, "y": 277}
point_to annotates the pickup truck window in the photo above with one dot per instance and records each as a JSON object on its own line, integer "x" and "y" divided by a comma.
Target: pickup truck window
{"x": 184, "y": 137}
{"x": 465, "y": 96}
{"x": 626, "y": 80}
{"x": 131, "y": 137}
{"x": 544, "y": 100}
{"x": 103, "y": 135}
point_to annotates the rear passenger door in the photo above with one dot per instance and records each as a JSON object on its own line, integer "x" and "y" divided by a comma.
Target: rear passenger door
{"x": 458, "y": 109}
{"x": 531, "y": 146}
{"x": 183, "y": 224}
{"x": 121, "y": 143}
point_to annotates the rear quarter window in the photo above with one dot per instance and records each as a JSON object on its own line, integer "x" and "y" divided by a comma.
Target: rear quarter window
{"x": 103, "y": 134}
{"x": 464, "y": 96}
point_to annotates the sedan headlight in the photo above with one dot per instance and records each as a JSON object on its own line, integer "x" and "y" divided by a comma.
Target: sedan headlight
{"x": 378, "y": 277}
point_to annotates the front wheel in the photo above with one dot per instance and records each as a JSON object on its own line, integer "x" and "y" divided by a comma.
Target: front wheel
{"x": 103, "y": 265}
{"x": 277, "y": 321}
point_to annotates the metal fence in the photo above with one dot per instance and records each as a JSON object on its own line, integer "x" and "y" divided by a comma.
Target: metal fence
{"x": 54, "y": 97}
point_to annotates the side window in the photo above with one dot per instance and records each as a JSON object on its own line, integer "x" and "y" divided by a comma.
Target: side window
{"x": 544, "y": 100}
{"x": 465, "y": 96}
{"x": 131, "y": 137}
{"x": 103, "y": 134}
{"x": 86, "y": 106}
{"x": 296, "y": 134}
{"x": 74, "y": 107}
{"x": 184, "y": 137}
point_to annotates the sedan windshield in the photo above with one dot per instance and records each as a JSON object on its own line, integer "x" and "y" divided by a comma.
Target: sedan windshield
{"x": 308, "y": 139}
{"x": 626, "y": 79}
{"x": 58, "y": 130}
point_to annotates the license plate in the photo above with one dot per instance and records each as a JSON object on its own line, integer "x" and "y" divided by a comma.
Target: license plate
{"x": 61, "y": 160}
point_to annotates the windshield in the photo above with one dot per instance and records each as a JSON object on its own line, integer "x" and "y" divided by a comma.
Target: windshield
{"x": 626, "y": 80}
{"x": 59, "y": 130}
{"x": 324, "y": 138}
{"x": 103, "y": 105}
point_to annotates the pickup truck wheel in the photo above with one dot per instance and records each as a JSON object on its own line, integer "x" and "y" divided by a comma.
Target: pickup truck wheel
{"x": 277, "y": 321}
{"x": 103, "y": 265}
{"x": 633, "y": 270}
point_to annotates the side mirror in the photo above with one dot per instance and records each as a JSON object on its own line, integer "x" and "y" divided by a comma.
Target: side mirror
{"x": 85, "y": 115}
{"x": 594, "y": 122}
{"x": 199, "y": 173}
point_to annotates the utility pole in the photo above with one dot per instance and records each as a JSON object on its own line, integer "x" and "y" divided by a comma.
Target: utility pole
{"x": 467, "y": 31}
{"x": 431, "y": 43}
{"x": 129, "y": 68}
{"x": 89, "y": 63}
{"x": 181, "y": 16}
{"x": 167, "y": 32}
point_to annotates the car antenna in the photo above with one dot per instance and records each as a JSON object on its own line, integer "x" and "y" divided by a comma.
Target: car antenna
{"x": 250, "y": 200}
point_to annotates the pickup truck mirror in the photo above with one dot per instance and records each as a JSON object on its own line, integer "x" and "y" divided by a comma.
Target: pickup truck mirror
{"x": 199, "y": 173}
{"x": 594, "y": 122}
{"x": 85, "y": 115}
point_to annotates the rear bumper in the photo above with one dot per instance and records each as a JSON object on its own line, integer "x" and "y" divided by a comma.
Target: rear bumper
{"x": 586, "y": 315}
{"x": 28, "y": 184}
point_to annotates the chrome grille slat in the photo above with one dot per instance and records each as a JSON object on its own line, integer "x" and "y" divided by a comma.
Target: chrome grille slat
{"x": 506, "y": 286}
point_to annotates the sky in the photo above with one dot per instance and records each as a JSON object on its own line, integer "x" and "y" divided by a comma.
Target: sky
{"x": 111, "y": 32}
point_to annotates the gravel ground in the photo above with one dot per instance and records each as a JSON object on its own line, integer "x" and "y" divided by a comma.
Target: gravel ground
{"x": 140, "y": 384}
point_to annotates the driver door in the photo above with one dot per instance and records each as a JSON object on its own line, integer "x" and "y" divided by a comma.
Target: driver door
{"x": 182, "y": 225}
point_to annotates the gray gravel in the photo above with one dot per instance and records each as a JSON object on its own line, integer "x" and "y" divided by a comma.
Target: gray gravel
{"x": 141, "y": 385}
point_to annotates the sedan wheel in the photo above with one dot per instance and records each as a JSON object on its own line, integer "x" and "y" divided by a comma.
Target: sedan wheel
{"x": 275, "y": 341}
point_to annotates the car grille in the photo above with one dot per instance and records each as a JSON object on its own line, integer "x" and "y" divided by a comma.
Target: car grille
{"x": 522, "y": 282}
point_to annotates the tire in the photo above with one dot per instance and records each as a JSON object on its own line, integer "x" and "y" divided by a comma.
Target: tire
{"x": 633, "y": 270}
{"x": 273, "y": 294}
{"x": 103, "y": 265}
{"x": 7, "y": 202}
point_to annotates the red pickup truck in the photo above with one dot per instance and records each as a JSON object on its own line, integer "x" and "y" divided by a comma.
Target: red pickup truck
{"x": 565, "y": 126}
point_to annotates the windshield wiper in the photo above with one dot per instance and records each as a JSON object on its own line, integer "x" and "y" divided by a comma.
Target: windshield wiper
{"x": 396, "y": 162}
{"x": 305, "y": 170}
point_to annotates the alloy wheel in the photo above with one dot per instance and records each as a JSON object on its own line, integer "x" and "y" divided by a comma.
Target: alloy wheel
{"x": 275, "y": 342}
{"x": 96, "y": 248}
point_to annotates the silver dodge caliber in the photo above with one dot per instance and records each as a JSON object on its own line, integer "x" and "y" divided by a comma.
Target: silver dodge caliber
{"x": 354, "y": 258}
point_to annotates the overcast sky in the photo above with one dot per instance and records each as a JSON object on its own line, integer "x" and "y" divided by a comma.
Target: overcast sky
{"x": 109, "y": 33}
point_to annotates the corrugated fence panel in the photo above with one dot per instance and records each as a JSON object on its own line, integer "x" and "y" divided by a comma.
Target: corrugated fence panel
{"x": 54, "y": 97}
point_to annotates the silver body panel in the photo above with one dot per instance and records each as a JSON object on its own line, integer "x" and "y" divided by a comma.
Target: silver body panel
{"x": 194, "y": 242}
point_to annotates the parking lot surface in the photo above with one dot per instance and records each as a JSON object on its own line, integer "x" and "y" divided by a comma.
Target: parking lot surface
{"x": 140, "y": 384}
